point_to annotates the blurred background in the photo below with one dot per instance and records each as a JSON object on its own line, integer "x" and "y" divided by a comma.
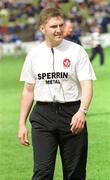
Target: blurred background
{"x": 19, "y": 20}
{"x": 89, "y": 25}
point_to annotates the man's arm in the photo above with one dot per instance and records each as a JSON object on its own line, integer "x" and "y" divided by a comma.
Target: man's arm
{"x": 26, "y": 104}
{"x": 78, "y": 119}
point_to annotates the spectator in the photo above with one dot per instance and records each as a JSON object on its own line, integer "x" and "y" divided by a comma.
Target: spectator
{"x": 18, "y": 48}
{"x": 96, "y": 46}
{"x": 69, "y": 33}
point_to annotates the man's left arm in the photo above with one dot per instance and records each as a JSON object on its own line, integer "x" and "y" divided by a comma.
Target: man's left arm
{"x": 78, "y": 119}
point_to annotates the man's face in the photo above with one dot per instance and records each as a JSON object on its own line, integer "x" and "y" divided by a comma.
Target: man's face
{"x": 53, "y": 31}
{"x": 68, "y": 28}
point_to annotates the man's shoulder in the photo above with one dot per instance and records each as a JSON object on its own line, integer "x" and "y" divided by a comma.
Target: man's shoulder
{"x": 35, "y": 51}
{"x": 72, "y": 44}
{"x": 74, "y": 48}
{"x": 36, "y": 48}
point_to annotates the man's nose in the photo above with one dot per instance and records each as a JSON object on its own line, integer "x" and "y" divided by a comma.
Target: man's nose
{"x": 58, "y": 29}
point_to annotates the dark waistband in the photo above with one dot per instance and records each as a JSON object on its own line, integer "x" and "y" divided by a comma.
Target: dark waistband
{"x": 58, "y": 103}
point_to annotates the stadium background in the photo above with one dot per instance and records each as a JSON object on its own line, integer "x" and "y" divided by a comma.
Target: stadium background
{"x": 16, "y": 160}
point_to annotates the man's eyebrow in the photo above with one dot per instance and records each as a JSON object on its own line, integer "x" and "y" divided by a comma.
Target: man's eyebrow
{"x": 57, "y": 25}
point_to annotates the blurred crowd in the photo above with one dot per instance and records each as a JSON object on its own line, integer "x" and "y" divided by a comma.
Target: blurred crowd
{"x": 91, "y": 13}
{"x": 19, "y": 19}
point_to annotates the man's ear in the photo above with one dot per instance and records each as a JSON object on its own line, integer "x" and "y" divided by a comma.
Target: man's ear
{"x": 42, "y": 29}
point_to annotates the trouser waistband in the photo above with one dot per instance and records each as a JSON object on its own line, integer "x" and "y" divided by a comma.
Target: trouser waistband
{"x": 58, "y": 103}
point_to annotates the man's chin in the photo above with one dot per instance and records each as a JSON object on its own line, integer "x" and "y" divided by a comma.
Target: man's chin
{"x": 59, "y": 39}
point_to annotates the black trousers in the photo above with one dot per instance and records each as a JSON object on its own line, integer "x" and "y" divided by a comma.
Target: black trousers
{"x": 98, "y": 50}
{"x": 50, "y": 129}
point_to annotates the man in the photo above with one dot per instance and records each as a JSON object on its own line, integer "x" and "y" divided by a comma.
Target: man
{"x": 96, "y": 46}
{"x": 58, "y": 76}
{"x": 69, "y": 34}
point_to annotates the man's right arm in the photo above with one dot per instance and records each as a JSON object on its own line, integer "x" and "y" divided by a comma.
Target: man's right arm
{"x": 26, "y": 104}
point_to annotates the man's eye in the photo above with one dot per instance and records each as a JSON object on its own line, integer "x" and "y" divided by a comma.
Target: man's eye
{"x": 53, "y": 26}
{"x": 61, "y": 25}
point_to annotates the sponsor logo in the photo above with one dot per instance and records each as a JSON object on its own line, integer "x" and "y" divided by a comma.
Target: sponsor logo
{"x": 66, "y": 63}
{"x": 52, "y": 77}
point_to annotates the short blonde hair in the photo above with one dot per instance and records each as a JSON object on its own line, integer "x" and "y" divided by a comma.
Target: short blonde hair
{"x": 48, "y": 13}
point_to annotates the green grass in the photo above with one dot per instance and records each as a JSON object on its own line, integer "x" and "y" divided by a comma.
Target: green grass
{"x": 16, "y": 160}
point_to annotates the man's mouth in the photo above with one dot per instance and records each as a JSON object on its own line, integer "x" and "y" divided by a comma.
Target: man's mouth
{"x": 58, "y": 35}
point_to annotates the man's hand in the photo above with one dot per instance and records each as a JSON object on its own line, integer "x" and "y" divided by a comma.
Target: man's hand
{"x": 23, "y": 135}
{"x": 77, "y": 122}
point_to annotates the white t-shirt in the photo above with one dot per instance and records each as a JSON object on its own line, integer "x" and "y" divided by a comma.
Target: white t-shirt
{"x": 57, "y": 73}
{"x": 96, "y": 39}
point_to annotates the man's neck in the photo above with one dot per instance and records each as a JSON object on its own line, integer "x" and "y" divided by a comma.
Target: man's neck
{"x": 53, "y": 44}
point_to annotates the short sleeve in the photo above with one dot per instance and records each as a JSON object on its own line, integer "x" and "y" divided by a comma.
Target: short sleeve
{"x": 84, "y": 67}
{"x": 27, "y": 74}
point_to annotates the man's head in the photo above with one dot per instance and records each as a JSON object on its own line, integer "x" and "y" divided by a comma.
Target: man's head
{"x": 52, "y": 24}
{"x": 48, "y": 13}
{"x": 68, "y": 28}
{"x": 98, "y": 29}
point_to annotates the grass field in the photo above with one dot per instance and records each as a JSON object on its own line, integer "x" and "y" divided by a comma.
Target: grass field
{"x": 16, "y": 160}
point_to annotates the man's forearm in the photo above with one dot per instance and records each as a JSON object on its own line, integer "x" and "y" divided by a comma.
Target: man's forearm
{"x": 87, "y": 93}
{"x": 25, "y": 109}
{"x": 26, "y": 104}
